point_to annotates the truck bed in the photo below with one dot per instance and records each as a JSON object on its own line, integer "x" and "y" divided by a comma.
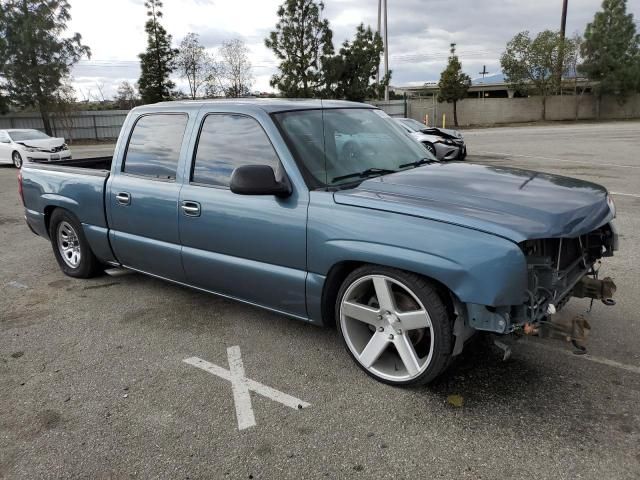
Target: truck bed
{"x": 93, "y": 163}
{"x": 75, "y": 185}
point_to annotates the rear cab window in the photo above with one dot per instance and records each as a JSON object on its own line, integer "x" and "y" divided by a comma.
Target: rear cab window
{"x": 226, "y": 142}
{"x": 154, "y": 146}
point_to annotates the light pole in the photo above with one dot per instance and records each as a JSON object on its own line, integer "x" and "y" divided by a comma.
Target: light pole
{"x": 483, "y": 73}
{"x": 563, "y": 29}
{"x": 386, "y": 54}
{"x": 379, "y": 33}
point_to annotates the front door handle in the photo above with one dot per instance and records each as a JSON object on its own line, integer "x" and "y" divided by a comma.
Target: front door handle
{"x": 123, "y": 198}
{"x": 191, "y": 209}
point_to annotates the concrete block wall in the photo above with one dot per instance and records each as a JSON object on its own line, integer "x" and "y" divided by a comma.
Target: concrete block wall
{"x": 492, "y": 111}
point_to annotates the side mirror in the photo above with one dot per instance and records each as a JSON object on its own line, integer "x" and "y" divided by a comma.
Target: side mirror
{"x": 258, "y": 180}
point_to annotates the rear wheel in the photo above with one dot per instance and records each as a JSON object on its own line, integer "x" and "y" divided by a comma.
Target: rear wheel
{"x": 17, "y": 159}
{"x": 394, "y": 325}
{"x": 70, "y": 246}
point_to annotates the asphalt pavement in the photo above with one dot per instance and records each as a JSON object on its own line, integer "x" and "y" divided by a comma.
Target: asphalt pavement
{"x": 94, "y": 383}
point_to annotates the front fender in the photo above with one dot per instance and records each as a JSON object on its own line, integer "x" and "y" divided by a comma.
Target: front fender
{"x": 476, "y": 266}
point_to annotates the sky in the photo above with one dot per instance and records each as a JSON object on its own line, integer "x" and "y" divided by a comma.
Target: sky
{"x": 420, "y": 32}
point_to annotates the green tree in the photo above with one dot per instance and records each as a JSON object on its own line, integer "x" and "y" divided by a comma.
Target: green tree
{"x": 63, "y": 107}
{"x": 157, "y": 63}
{"x": 611, "y": 51}
{"x": 126, "y": 97}
{"x": 236, "y": 68}
{"x": 195, "y": 64}
{"x": 529, "y": 65}
{"x": 349, "y": 74}
{"x": 301, "y": 41}
{"x": 34, "y": 56}
{"x": 454, "y": 84}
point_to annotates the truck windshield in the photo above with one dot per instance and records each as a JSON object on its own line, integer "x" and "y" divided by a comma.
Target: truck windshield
{"x": 341, "y": 146}
{"x": 22, "y": 135}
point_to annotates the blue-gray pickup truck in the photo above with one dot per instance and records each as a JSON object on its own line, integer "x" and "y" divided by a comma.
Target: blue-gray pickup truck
{"x": 328, "y": 212}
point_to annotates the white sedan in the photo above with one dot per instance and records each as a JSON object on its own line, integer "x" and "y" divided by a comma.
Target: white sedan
{"x": 19, "y": 145}
{"x": 443, "y": 143}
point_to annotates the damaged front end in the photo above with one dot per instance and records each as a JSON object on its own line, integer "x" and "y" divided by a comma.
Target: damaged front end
{"x": 557, "y": 269}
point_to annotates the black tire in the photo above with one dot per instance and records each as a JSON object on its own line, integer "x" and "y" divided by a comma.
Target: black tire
{"x": 17, "y": 159}
{"x": 432, "y": 150}
{"x": 88, "y": 265}
{"x": 442, "y": 324}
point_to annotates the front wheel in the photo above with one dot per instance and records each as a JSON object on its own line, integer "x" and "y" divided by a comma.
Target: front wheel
{"x": 394, "y": 325}
{"x": 17, "y": 159}
{"x": 70, "y": 246}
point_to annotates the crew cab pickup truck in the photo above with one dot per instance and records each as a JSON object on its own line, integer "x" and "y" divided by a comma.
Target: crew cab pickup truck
{"x": 328, "y": 212}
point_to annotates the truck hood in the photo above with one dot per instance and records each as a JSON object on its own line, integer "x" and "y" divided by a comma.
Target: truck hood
{"x": 512, "y": 203}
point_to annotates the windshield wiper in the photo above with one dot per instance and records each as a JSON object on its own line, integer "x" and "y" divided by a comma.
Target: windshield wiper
{"x": 364, "y": 174}
{"x": 422, "y": 161}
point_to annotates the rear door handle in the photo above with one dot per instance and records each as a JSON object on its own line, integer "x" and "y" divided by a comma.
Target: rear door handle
{"x": 123, "y": 198}
{"x": 191, "y": 209}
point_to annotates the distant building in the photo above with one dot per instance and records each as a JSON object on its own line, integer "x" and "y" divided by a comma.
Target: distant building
{"x": 493, "y": 86}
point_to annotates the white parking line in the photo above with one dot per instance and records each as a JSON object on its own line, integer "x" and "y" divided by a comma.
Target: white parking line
{"x": 559, "y": 159}
{"x": 242, "y": 386}
{"x": 241, "y": 397}
{"x": 635, "y": 195}
{"x": 590, "y": 358}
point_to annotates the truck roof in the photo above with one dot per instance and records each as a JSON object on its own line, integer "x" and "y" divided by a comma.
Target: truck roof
{"x": 269, "y": 105}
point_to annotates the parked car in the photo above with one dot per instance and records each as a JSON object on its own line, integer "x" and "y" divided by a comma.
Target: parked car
{"x": 327, "y": 212}
{"x": 443, "y": 143}
{"x": 18, "y": 145}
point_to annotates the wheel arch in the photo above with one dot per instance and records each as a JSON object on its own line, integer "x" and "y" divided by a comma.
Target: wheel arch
{"x": 48, "y": 212}
{"x": 341, "y": 270}
{"x": 485, "y": 270}
{"x": 52, "y": 207}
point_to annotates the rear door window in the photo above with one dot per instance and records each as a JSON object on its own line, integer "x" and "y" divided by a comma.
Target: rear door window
{"x": 226, "y": 142}
{"x": 154, "y": 146}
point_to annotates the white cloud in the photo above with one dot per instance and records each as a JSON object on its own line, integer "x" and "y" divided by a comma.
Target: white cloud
{"x": 419, "y": 31}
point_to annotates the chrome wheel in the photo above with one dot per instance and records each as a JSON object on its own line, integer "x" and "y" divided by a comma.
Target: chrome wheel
{"x": 387, "y": 328}
{"x": 69, "y": 245}
{"x": 17, "y": 160}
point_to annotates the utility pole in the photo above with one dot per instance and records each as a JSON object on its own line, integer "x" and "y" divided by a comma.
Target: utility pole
{"x": 563, "y": 22}
{"x": 483, "y": 73}
{"x": 379, "y": 33}
{"x": 563, "y": 29}
{"x": 386, "y": 53}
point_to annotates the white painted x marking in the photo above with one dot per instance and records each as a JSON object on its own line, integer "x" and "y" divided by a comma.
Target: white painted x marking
{"x": 242, "y": 386}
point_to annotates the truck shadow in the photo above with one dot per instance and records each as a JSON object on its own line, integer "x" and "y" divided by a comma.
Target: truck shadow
{"x": 531, "y": 393}
{"x": 534, "y": 393}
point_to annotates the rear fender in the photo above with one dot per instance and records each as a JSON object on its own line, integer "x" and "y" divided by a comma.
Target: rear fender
{"x": 97, "y": 236}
